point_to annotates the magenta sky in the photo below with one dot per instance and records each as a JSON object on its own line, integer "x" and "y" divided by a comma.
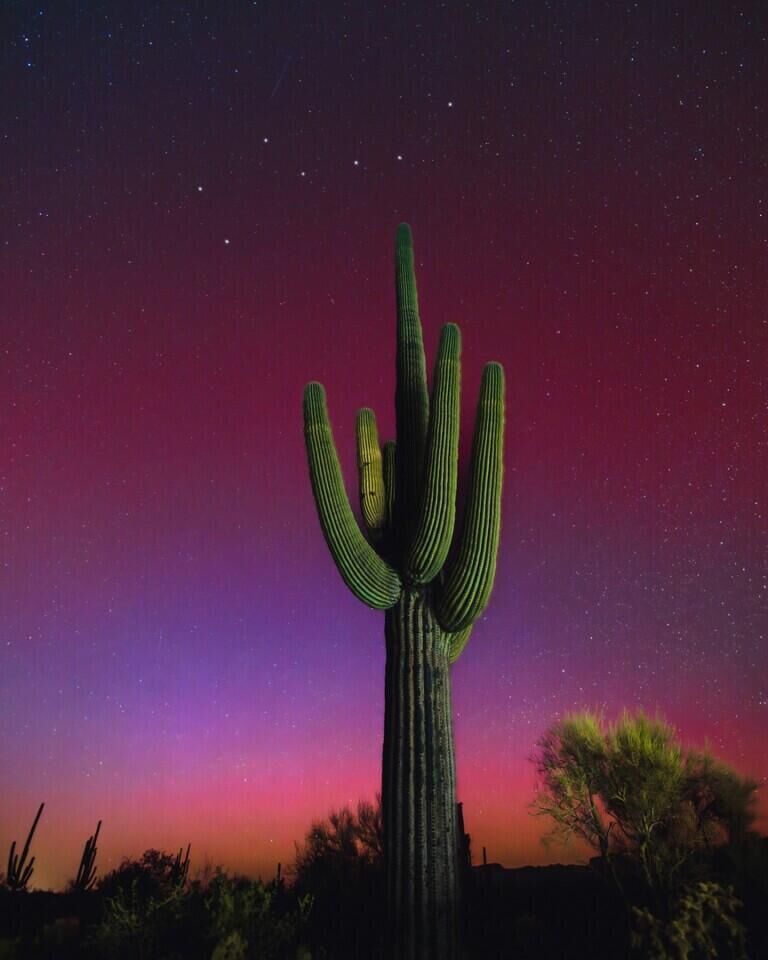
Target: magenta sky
{"x": 198, "y": 208}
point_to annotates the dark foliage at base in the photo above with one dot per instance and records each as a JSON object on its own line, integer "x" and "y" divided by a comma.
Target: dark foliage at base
{"x": 570, "y": 912}
{"x": 339, "y": 866}
{"x": 333, "y": 910}
{"x": 145, "y": 911}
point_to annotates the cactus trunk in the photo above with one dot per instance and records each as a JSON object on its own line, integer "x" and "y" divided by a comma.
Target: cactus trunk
{"x": 419, "y": 783}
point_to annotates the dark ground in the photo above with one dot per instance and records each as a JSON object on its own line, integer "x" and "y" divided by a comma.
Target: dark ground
{"x": 530, "y": 913}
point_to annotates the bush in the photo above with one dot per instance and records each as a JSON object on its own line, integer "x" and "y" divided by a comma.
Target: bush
{"x": 340, "y": 865}
{"x": 251, "y": 920}
{"x": 703, "y": 926}
{"x": 140, "y": 923}
{"x": 149, "y": 915}
{"x": 658, "y": 815}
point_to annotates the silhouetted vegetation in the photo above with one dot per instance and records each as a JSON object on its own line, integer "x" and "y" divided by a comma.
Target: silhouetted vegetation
{"x": 180, "y": 868}
{"x": 679, "y": 875}
{"x": 19, "y": 871}
{"x": 340, "y": 866}
{"x": 147, "y": 909}
{"x": 86, "y": 872}
{"x": 664, "y": 821}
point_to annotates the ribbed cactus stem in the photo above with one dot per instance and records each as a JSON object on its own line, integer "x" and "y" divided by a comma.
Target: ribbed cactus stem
{"x": 418, "y": 783}
{"x": 437, "y": 511}
{"x": 469, "y": 578}
{"x": 373, "y": 501}
{"x": 411, "y": 397}
{"x": 389, "y": 467}
{"x": 366, "y": 574}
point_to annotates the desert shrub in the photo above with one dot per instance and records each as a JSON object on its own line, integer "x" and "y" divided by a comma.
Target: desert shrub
{"x": 659, "y": 816}
{"x": 703, "y": 925}
{"x": 340, "y": 865}
{"x": 252, "y": 920}
{"x": 153, "y": 875}
{"x": 10, "y": 948}
{"x": 148, "y": 914}
{"x": 139, "y": 922}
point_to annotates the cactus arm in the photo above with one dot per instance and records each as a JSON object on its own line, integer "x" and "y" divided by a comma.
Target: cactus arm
{"x": 92, "y": 858}
{"x": 469, "y": 577}
{"x": 27, "y": 872}
{"x": 11, "y": 871}
{"x": 411, "y": 397}
{"x": 389, "y": 456}
{"x": 83, "y": 869}
{"x": 437, "y": 513}
{"x": 372, "y": 494}
{"x": 31, "y": 833}
{"x": 369, "y": 577}
{"x": 457, "y": 642}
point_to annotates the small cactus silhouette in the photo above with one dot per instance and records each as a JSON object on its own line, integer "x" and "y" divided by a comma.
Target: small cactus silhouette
{"x": 86, "y": 872}
{"x": 180, "y": 868}
{"x": 19, "y": 871}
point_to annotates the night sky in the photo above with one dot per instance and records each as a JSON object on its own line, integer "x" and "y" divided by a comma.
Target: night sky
{"x": 198, "y": 214}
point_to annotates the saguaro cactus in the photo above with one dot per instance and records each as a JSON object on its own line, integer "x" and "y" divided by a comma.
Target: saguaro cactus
{"x": 19, "y": 871}
{"x": 86, "y": 872}
{"x": 431, "y": 585}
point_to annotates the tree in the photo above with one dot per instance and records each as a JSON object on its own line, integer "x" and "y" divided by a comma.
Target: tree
{"x": 341, "y": 842}
{"x": 339, "y": 865}
{"x": 653, "y": 810}
{"x": 431, "y": 585}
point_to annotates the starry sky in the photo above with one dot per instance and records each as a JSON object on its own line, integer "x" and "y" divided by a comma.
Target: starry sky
{"x": 198, "y": 212}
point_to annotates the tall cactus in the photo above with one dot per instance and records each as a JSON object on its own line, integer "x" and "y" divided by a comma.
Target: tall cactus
{"x": 19, "y": 871}
{"x": 433, "y": 586}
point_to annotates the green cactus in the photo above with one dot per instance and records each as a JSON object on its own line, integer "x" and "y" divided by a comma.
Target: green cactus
{"x": 86, "y": 872}
{"x": 432, "y": 584}
{"x": 19, "y": 871}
